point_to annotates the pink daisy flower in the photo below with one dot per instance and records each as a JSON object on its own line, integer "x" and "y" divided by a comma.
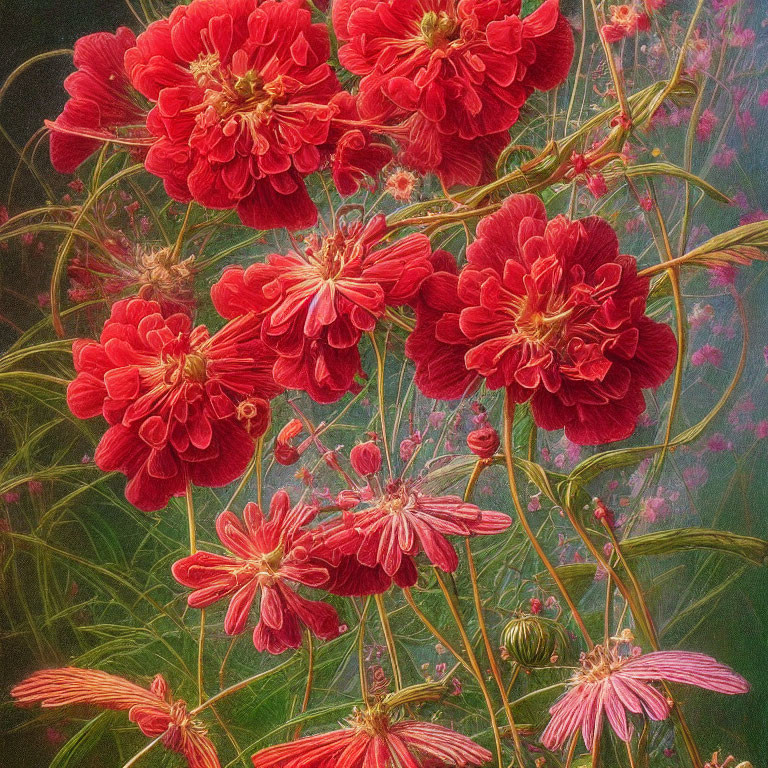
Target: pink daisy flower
{"x": 616, "y": 679}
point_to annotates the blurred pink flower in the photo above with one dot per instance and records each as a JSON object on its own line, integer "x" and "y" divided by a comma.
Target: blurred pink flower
{"x": 724, "y": 157}
{"x": 695, "y": 476}
{"x": 707, "y": 354}
{"x": 616, "y": 679}
{"x": 707, "y": 122}
{"x": 762, "y": 99}
{"x": 718, "y": 443}
{"x": 722, "y": 275}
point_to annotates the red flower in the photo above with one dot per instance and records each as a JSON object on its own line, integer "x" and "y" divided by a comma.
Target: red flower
{"x": 551, "y": 311}
{"x": 401, "y": 521}
{"x": 365, "y": 458}
{"x": 242, "y": 94}
{"x": 373, "y": 740}
{"x": 102, "y": 101}
{"x": 626, "y": 21}
{"x": 483, "y": 442}
{"x": 153, "y": 710}
{"x": 452, "y": 75}
{"x": 284, "y": 451}
{"x": 270, "y": 557}
{"x": 171, "y": 396}
{"x": 316, "y": 304}
{"x": 355, "y": 152}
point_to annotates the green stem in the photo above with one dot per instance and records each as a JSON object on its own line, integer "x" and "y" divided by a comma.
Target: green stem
{"x": 479, "y": 466}
{"x": 310, "y": 679}
{"x": 192, "y": 551}
{"x": 390, "y": 640}
{"x": 380, "y": 386}
{"x": 478, "y": 674}
{"x": 509, "y": 419}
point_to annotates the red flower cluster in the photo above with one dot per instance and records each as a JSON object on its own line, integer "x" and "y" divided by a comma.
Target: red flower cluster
{"x": 315, "y": 305}
{"x": 183, "y": 406}
{"x": 373, "y": 740}
{"x": 270, "y": 556}
{"x": 245, "y": 103}
{"x": 153, "y": 710}
{"x": 451, "y": 75}
{"x": 102, "y": 101}
{"x": 551, "y": 311}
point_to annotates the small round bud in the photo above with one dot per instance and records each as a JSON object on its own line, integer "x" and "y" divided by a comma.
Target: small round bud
{"x": 366, "y": 458}
{"x": 533, "y": 641}
{"x": 483, "y": 442}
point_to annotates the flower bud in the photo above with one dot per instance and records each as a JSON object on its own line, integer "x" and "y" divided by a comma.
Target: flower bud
{"x": 483, "y": 442}
{"x": 366, "y": 458}
{"x": 533, "y": 641}
{"x": 284, "y": 452}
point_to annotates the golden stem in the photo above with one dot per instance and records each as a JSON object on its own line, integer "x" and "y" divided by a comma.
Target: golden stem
{"x": 390, "y": 640}
{"x": 508, "y": 455}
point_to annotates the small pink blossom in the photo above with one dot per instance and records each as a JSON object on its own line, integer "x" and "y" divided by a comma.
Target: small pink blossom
{"x": 695, "y": 476}
{"x": 722, "y": 275}
{"x": 724, "y": 157}
{"x": 707, "y": 122}
{"x": 717, "y": 443}
{"x": 707, "y": 354}
{"x": 762, "y": 99}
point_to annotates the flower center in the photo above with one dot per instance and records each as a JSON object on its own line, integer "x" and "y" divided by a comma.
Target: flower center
{"x": 438, "y": 29}
{"x": 246, "y": 94}
{"x": 157, "y": 268}
{"x": 374, "y": 721}
{"x": 541, "y": 324}
{"x": 194, "y": 367}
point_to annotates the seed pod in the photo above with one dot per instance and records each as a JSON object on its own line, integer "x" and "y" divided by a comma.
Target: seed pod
{"x": 532, "y": 641}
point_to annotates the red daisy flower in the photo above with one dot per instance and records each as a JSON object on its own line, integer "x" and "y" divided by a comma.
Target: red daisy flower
{"x": 315, "y": 304}
{"x": 452, "y": 74}
{"x": 102, "y": 102}
{"x": 551, "y": 311}
{"x": 270, "y": 557}
{"x": 242, "y": 94}
{"x": 172, "y": 396}
{"x": 395, "y": 525}
{"x": 153, "y": 710}
{"x": 374, "y": 740}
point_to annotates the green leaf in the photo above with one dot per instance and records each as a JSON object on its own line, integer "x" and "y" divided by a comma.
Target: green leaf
{"x": 83, "y": 742}
{"x": 667, "y": 169}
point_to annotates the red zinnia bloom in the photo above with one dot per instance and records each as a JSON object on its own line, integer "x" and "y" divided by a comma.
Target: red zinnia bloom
{"x": 401, "y": 521}
{"x": 102, "y": 101}
{"x": 153, "y": 710}
{"x": 242, "y": 94}
{"x": 453, "y": 74}
{"x": 373, "y": 740}
{"x": 270, "y": 557}
{"x": 316, "y": 303}
{"x": 171, "y": 395}
{"x": 551, "y": 311}
{"x": 613, "y": 684}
